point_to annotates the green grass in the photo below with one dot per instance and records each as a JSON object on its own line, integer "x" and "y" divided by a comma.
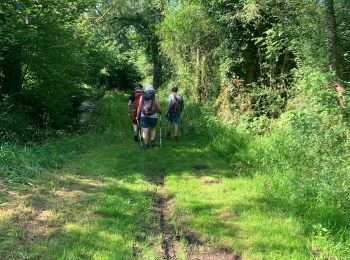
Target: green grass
{"x": 229, "y": 212}
{"x": 95, "y": 198}
{"x": 91, "y": 209}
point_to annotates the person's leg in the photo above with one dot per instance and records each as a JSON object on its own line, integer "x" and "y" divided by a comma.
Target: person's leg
{"x": 177, "y": 126}
{"x": 135, "y": 132}
{"x": 145, "y": 127}
{"x": 153, "y": 131}
{"x": 135, "y": 126}
{"x": 168, "y": 133}
{"x": 170, "y": 126}
{"x": 153, "y": 136}
{"x": 145, "y": 136}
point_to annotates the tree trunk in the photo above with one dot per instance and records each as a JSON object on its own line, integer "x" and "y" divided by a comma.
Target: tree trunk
{"x": 250, "y": 56}
{"x": 332, "y": 35}
{"x": 157, "y": 64}
{"x": 199, "y": 75}
{"x": 203, "y": 79}
{"x": 284, "y": 69}
{"x": 12, "y": 72}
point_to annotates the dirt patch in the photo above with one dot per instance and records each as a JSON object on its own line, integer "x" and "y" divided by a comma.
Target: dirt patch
{"x": 32, "y": 224}
{"x": 167, "y": 250}
{"x": 156, "y": 176}
{"x": 199, "y": 248}
{"x": 170, "y": 240}
{"x": 136, "y": 250}
{"x": 227, "y": 213}
{"x": 201, "y": 167}
{"x": 162, "y": 202}
{"x": 191, "y": 237}
{"x": 210, "y": 180}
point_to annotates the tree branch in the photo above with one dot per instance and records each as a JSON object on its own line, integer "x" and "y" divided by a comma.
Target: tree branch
{"x": 99, "y": 19}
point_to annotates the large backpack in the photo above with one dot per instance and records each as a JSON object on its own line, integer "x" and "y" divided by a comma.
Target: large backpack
{"x": 137, "y": 97}
{"x": 176, "y": 105}
{"x": 149, "y": 103}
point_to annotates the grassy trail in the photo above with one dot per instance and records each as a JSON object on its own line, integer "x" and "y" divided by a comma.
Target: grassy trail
{"x": 117, "y": 201}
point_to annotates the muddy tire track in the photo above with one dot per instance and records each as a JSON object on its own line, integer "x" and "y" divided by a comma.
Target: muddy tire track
{"x": 168, "y": 232}
{"x": 170, "y": 239}
{"x": 162, "y": 206}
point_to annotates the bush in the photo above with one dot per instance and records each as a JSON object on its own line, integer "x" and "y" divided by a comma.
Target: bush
{"x": 302, "y": 158}
{"x": 14, "y": 124}
{"x": 307, "y": 156}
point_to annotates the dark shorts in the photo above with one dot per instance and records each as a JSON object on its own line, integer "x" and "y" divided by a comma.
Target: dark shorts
{"x": 174, "y": 119}
{"x": 148, "y": 122}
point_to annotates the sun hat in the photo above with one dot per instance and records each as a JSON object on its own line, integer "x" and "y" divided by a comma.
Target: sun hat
{"x": 149, "y": 87}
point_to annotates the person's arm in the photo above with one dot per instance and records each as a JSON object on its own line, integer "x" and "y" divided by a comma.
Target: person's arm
{"x": 131, "y": 107}
{"x": 169, "y": 104}
{"x": 159, "y": 109}
{"x": 139, "y": 108}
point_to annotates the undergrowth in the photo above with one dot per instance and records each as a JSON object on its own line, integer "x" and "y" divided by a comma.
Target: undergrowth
{"x": 21, "y": 162}
{"x": 302, "y": 159}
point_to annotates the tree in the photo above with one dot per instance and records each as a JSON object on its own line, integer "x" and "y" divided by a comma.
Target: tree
{"x": 142, "y": 16}
{"x": 48, "y": 52}
{"x": 190, "y": 39}
{"x": 332, "y": 36}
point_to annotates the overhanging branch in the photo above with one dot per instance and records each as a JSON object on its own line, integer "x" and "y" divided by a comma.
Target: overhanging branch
{"x": 99, "y": 19}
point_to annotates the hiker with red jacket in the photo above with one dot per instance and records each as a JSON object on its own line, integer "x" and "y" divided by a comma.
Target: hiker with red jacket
{"x": 175, "y": 108}
{"x": 147, "y": 112}
{"x": 134, "y": 101}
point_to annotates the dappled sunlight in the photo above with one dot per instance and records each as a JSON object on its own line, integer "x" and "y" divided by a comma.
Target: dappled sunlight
{"x": 117, "y": 201}
{"x": 229, "y": 214}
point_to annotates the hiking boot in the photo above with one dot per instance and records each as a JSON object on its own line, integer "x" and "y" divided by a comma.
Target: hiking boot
{"x": 167, "y": 136}
{"x": 136, "y": 138}
{"x": 176, "y": 138}
{"x": 153, "y": 143}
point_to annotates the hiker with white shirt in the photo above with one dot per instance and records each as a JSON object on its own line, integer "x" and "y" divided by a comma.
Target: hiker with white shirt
{"x": 175, "y": 108}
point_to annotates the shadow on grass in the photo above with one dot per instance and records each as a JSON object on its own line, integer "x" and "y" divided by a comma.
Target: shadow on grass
{"x": 80, "y": 217}
{"x": 103, "y": 204}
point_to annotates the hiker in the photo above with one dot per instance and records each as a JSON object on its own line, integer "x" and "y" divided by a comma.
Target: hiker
{"x": 175, "y": 108}
{"x": 134, "y": 101}
{"x": 147, "y": 111}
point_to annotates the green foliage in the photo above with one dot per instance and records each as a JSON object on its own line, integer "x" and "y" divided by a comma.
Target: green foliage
{"x": 343, "y": 19}
{"x": 13, "y": 121}
{"x": 21, "y": 163}
{"x": 49, "y": 52}
{"x": 190, "y": 39}
{"x": 300, "y": 159}
{"x": 291, "y": 183}
{"x": 311, "y": 156}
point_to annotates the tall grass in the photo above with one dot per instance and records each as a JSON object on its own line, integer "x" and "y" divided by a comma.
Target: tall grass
{"x": 303, "y": 160}
{"x": 22, "y": 162}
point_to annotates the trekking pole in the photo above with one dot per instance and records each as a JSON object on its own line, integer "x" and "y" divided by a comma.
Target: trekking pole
{"x": 160, "y": 131}
{"x": 139, "y": 132}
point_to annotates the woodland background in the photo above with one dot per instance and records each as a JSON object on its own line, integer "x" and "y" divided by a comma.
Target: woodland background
{"x": 266, "y": 82}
